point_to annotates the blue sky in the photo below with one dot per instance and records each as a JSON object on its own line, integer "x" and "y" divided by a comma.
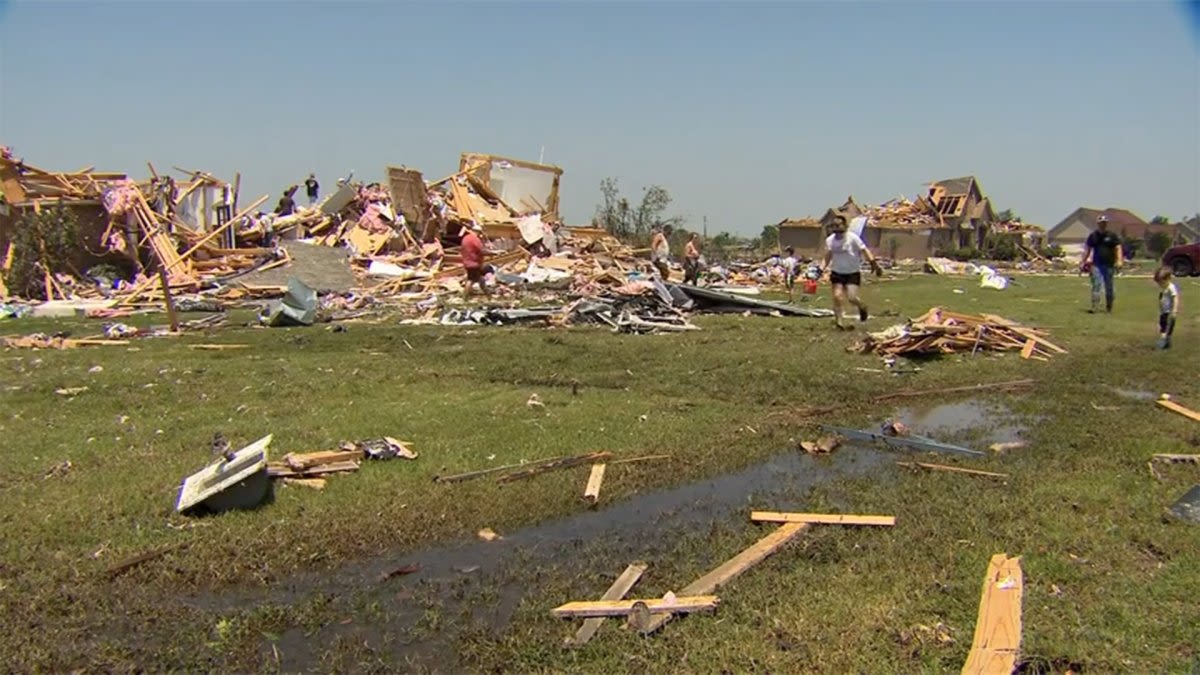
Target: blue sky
{"x": 746, "y": 112}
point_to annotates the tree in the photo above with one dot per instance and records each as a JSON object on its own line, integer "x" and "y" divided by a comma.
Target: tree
{"x": 1160, "y": 220}
{"x": 42, "y": 243}
{"x": 769, "y": 239}
{"x": 1006, "y": 216}
{"x": 624, "y": 220}
{"x": 1157, "y": 243}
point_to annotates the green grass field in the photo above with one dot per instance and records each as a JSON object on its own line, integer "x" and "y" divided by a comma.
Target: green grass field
{"x": 1110, "y": 584}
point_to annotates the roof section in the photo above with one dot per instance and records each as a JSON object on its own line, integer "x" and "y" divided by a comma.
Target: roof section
{"x": 956, "y": 186}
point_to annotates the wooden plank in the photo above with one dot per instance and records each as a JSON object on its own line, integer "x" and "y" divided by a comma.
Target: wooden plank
{"x": 955, "y": 469}
{"x": 953, "y": 390}
{"x": 281, "y": 470}
{"x": 615, "y": 592}
{"x": 592, "y": 492}
{"x": 1164, "y": 457}
{"x": 300, "y": 462}
{"x": 1027, "y": 350}
{"x": 218, "y": 347}
{"x": 998, "y": 629}
{"x": 1030, "y": 335}
{"x": 564, "y": 463}
{"x": 645, "y": 458}
{"x": 1175, "y": 407}
{"x": 599, "y": 608}
{"x": 820, "y": 518}
{"x": 732, "y": 568}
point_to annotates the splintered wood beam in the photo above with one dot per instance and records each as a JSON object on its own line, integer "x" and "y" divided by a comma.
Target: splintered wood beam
{"x": 602, "y": 608}
{"x": 954, "y": 469}
{"x": 998, "y": 629}
{"x": 1175, "y": 407}
{"x": 615, "y": 592}
{"x": 820, "y": 518}
{"x": 731, "y": 569}
{"x": 564, "y": 463}
{"x": 592, "y": 492}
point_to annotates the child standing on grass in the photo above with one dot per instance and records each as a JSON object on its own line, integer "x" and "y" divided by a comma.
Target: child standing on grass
{"x": 1168, "y": 306}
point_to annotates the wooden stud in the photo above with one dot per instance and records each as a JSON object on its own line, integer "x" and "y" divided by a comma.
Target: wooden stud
{"x": 955, "y": 469}
{"x": 1175, "y": 407}
{"x": 1027, "y": 350}
{"x": 615, "y": 592}
{"x": 592, "y": 492}
{"x": 820, "y": 518}
{"x": 732, "y": 568}
{"x": 601, "y": 608}
{"x": 998, "y": 629}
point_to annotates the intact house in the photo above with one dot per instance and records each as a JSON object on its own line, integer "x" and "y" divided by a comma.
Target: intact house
{"x": 1073, "y": 230}
{"x": 953, "y": 213}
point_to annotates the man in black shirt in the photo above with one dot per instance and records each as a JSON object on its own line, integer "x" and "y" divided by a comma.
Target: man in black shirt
{"x": 287, "y": 205}
{"x": 1102, "y": 253}
{"x": 312, "y": 187}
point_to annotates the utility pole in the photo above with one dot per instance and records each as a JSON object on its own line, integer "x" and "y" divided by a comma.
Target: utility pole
{"x": 705, "y": 228}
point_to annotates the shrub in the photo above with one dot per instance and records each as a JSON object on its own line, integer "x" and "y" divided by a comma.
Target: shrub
{"x": 42, "y": 242}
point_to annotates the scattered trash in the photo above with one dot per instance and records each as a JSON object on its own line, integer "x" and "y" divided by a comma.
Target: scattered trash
{"x": 96, "y": 369}
{"x": 70, "y": 391}
{"x": 535, "y": 402}
{"x": 59, "y": 470}
{"x": 1001, "y": 448}
{"x": 487, "y": 534}
{"x": 908, "y": 442}
{"x": 403, "y": 570}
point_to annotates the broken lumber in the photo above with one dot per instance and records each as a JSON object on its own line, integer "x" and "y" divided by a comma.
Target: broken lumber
{"x": 282, "y": 470}
{"x": 309, "y": 460}
{"x": 1175, "y": 407}
{"x": 122, "y": 567}
{"x": 217, "y": 348}
{"x": 955, "y": 469}
{"x": 592, "y": 492}
{"x": 311, "y": 483}
{"x": 998, "y": 629}
{"x": 602, "y": 608}
{"x": 908, "y": 393}
{"x": 615, "y": 592}
{"x": 454, "y": 478}
{"x": 564, "y": 463}
{"x": 731, "y": 569}
{"x": 1027, "y": 350}
{"x": 820, "y": 518}
{"x": 1163, "y": 457}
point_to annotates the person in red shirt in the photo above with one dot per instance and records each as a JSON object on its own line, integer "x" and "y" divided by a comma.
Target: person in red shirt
{"x": 471, "y": 251}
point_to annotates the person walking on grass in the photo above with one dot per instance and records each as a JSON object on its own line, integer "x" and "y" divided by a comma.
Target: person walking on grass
{"x": 1102, "y": 256}
{"x": 844, "y": 254}
{"x": 789, "y": 264}
{"x": 660, "y": 252}
{"x": 691, "y": 260}
{"x": 471, "y": 251}
{"x": 1168, "y": 306}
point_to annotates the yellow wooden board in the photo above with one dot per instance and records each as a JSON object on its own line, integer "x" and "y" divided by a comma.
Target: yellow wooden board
{"x": 998, "y": 629}
{"x": 597, "y": 608}
{"x": 820, "y": 518}
{"x": 1175, "y": 407}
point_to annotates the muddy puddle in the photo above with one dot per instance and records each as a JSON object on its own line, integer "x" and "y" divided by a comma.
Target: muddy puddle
{"x": 475, "y": 586}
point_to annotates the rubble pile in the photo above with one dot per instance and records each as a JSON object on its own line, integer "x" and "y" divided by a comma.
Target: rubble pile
{"x": 901, "y": 211}
{"x": 939, "y": 331}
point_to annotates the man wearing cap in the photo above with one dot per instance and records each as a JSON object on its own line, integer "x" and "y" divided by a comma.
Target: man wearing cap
{"x": 844, "y": 253}
{"x": 471, "y": 252}
{"x": 1102, "y": 255}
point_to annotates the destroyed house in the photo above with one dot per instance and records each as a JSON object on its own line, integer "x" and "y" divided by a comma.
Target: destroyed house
{"x": 1075, "y": 228}
{"x": 960, "y": 205}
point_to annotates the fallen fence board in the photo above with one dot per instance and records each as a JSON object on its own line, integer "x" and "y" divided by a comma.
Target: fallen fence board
{"x": 955, "y": 469}
{"x": 820, "y": 518}
{"x": 1175, "y": 407}
{"x": 731, "y": 569}
{"x": 615, "y": 592}
{"x": 592, "y": 491}
{"x": 998, "y": 629}
{"x": 602, "y": 608}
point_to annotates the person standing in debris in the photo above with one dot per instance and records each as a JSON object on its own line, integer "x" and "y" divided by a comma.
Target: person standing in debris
{"x": 287, "y": 205}
{"x": 844, "y": 253}
{"x": 1102, "y": 256}
{"x": 691, "y": 260}
{"x": 471, "y": 251}
{"x": 1168, "y": 306}
{"x": 660, "y": 252}
{"x": 789, "y": 264}
{"x": 312, "y": 187}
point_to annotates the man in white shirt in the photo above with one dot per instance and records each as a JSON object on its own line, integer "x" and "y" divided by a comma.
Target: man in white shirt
{"x": 844, "y": 253}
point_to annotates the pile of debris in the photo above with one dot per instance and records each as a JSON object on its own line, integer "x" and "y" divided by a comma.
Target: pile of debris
{"x": 901, "y": 211}
{"x": 940, "y": 331}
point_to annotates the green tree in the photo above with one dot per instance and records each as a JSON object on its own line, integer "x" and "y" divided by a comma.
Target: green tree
{"x": 1006, "y": 216}
{"x": 623, "y": 220}
{"x": 769, "y": 239}
{"x": 1160, "y": 220}
{"x": 1157, "y": 243}
{"x": 42, "y": 243}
